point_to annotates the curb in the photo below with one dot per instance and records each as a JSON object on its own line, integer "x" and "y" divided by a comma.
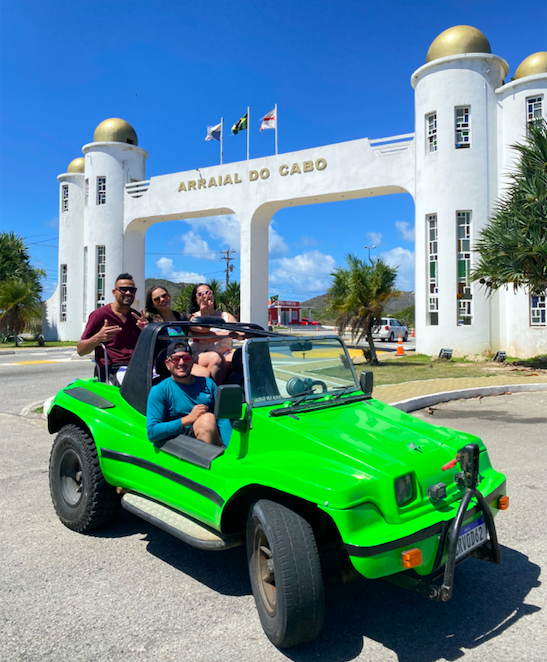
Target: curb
{"x": 22, "y": 350}
{"x": 422, "y": 401}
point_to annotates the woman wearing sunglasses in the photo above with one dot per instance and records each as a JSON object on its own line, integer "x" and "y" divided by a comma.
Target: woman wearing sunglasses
{"x": 157, "y": 306}
{"x": 214, "y": 355}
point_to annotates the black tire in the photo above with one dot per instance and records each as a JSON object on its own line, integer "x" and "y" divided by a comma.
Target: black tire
{"x": 405, "y": 337}
{"x": 82, "y": 499}
{"x": 285, "y": 573}
{"x": 391, "y": 337}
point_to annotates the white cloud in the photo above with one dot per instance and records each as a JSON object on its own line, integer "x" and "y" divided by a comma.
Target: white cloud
{"x": 54, "y": 223}
{"x": 404, "y": 260}
{"x": 165, "y": 266}
{"x": 374, "y": 238}
{"x": 307, "y": 273}
{"x": 198, "y": 247}
{"x": 226, "y": 230}
{"x": 406, "y": 232}
{"x": 308, "y": 242}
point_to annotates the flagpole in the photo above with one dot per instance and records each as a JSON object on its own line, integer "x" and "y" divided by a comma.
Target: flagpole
{"x": 248, "y": 131}
{"x": 276, "y": 123}
{"x": 221, "y": 138}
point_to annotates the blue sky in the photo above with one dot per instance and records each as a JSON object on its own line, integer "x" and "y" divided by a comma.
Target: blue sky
{"x": 338, "y": 70}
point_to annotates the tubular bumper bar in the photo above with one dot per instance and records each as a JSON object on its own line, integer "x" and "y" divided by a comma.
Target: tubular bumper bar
{"x": 468, "y": 457}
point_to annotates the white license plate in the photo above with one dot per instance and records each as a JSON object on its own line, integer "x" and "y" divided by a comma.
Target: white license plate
{"x": 471, "y": 535}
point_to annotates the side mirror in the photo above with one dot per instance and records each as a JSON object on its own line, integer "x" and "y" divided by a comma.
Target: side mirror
{"x": 367, "y": 382}
{"x": 229, "y": 402}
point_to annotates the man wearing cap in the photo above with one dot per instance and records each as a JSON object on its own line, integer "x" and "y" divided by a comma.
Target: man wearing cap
{"x": 184, "y": 404}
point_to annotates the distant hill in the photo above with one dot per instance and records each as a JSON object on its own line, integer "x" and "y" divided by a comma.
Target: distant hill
{"x": 174, "y": 289}
{"x": 393, "y": 305}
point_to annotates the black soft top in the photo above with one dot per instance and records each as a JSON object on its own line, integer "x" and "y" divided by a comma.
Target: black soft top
{"x": 157, "y": 336}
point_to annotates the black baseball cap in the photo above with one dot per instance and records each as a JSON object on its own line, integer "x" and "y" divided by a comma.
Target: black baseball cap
{"x": 178, "y": 346}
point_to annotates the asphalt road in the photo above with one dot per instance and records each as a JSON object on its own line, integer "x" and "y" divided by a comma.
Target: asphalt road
{"x": 132, "y": 592}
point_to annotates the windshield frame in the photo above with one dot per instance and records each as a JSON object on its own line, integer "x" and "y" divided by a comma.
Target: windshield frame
{"x": 283, "y": 400}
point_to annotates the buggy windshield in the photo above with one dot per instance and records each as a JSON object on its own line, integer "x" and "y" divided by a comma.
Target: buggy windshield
{"x": 290, "y": 369}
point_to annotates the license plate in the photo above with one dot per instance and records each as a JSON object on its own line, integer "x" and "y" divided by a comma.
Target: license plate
{"x": 471, "y": 535}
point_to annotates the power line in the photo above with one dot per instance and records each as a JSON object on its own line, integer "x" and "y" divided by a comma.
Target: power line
{"x": 229, "y": 267}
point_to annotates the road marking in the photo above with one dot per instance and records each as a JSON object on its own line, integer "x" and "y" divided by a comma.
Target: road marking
{"x": 35, "y": 362}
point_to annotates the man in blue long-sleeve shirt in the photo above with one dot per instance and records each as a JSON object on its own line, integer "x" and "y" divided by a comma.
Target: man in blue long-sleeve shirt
{"x": 184, "y": 403}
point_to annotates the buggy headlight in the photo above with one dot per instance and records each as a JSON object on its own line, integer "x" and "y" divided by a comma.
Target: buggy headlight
{"x": 404, "y": 490}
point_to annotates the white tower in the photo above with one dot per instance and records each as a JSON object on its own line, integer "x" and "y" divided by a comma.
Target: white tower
{"x": 63, "y": 311}
{"x": 112, "y": 160}
{"x": 456, "y": 184}
{"x": 522, "y": 101}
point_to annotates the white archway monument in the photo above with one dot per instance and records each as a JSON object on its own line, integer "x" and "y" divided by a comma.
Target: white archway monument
{"x": 255, "y": 190}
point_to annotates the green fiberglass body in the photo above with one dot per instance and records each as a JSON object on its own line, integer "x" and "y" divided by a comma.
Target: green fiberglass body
{"x": 315, "y": 464}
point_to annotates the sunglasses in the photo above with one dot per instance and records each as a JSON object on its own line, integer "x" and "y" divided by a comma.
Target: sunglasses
{"x": 202, "y": 294}
{"x": 161, "y": 296}
{"x": 130, "y": 290}
{"x": 180, "y": 359}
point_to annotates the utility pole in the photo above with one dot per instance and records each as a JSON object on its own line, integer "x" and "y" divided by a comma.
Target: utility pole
{"x": 229, "y": 267}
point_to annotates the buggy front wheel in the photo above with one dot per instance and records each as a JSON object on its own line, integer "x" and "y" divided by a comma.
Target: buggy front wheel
{"x": 285, "y": 574}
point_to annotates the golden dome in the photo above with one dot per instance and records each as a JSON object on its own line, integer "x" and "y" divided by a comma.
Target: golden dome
{"x": 115, "y": 130}
{"x": 77, "y": 165}
{"x": 533, "y": 64}
{"x": 456, "y": 41}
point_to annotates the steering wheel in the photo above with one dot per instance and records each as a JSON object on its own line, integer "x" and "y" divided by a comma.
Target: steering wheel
{"x": 296, "y": 386}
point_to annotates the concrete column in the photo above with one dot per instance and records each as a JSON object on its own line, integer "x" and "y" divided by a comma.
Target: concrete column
{"x": 133, "y": 259}
{"x": 254, "y": 266}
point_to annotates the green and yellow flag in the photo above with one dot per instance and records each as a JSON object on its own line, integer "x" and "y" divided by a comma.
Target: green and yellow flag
{"x": 241, "y": 125}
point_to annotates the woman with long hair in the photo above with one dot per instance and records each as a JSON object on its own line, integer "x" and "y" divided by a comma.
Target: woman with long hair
{"x": 214, "y": 355}
{"x": 157, "y": 306}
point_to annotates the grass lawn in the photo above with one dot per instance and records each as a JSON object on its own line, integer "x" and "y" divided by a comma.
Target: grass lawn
{"x": 417, "y": 367}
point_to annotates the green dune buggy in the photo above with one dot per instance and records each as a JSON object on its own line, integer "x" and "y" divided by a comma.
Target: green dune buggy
{"x": 315, "y": 466}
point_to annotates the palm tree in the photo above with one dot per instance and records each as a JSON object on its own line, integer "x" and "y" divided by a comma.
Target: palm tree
{"x": 358, "y": 295}
{"x": 182, "y": 300}
{"x": 15, "y": 260}
{"x": 19, "y": 305}
{"x": 230, "y": 299}
{"x": 513, "y": 247}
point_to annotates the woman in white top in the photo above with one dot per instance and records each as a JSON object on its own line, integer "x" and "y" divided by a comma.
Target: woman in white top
{"x": 215, "y": 355}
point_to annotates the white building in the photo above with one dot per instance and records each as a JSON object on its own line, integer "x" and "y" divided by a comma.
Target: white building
{"x": 454, "y": 166}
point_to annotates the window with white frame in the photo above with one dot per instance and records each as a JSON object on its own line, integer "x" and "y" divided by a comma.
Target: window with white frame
{"x": 537, "y": 309}
{"x": 101, "y": 271}
{"x": 294, "y": 315}
{"x": 63, "y": 278}
{"x": 463, "y": 127}
{"x": 433, "y": 269}
{"x": 65, "y": 197}
{"x": 86, "y": 191}
{"x": 534, "y": 110}
{"x": 431, "y": 132}
{"x": 101, "y": 190}
{"x": 464, "y": 294}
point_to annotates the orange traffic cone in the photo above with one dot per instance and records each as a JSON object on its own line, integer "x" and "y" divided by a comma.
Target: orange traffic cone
{"x": 412, "y": 332}
{"x": 400, "y": 351}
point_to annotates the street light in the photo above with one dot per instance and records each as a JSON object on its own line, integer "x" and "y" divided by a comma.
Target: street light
{"x": 369, "y": 248}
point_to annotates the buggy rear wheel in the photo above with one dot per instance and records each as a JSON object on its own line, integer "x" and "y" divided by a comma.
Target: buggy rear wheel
{"x": 82, "y": 499}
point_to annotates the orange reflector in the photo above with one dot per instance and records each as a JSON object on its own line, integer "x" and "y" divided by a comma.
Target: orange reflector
{"x": 411, "y": 558}
{"x": 503, "y": 502}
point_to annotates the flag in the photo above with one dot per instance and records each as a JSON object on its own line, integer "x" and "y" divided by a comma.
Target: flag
{"x": 269, "y": 121}
{"x": 241, "y": 125}
{"x": 213, "y": 132}
{"x": 274, "y": 298}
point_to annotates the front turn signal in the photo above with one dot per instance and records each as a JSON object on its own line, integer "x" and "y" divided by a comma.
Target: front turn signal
{"x": 503, "y": 502}
{"x": 411, "y": 558}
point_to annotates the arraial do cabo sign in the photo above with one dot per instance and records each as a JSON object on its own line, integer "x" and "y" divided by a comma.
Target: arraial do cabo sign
{"x": 234, "y": 178}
